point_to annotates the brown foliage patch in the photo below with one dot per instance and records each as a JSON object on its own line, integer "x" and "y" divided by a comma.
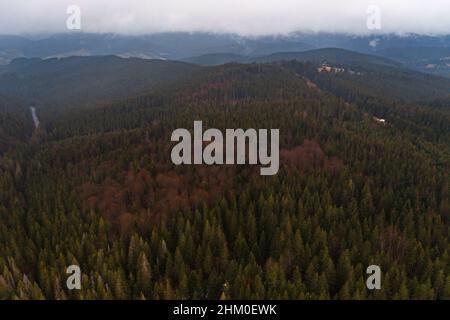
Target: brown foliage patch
{"x": 309, "y": 157}
{"x": 392, "y": 242}
{"x": 154, "y": 197}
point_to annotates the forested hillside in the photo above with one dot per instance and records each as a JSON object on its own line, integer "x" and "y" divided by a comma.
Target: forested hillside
{"x": 377, "y": 75}
{"x": 77, "y": 82}
{"x": 97, "y": 188}
{"x": 15, "y": 124}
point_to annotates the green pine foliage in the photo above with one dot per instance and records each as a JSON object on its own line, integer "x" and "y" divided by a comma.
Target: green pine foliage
{"x": 96, "y": 188}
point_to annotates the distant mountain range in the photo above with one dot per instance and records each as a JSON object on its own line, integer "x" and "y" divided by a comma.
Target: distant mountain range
{"x": 332, "y": 55}
{"x": 421, "y": 52}
{"x": 86, "y": 81}
{"x": 156, "y": 46}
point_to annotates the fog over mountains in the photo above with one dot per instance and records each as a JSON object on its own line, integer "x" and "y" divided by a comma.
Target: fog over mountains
{"x": 250, "y": 17}
{"x": 426, "y": 53}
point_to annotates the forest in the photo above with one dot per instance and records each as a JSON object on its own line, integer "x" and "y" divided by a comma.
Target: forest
{"x": 95, "y": 187}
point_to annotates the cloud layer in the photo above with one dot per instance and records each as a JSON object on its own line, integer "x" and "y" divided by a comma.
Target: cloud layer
{"x": 246, "y": 17}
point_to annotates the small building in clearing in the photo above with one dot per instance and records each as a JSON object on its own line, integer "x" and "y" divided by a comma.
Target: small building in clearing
{"x": 325, "y": 67}
{"x": 379, "y": 120}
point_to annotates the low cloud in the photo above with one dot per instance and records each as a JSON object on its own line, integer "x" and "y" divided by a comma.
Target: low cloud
{"x": 246, "y": 17}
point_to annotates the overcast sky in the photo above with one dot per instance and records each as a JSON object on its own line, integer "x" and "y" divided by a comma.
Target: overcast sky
{"x": 246, "y": 17}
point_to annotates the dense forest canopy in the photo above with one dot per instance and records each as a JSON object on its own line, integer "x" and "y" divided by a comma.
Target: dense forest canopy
{"x": 95, "y": 187}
